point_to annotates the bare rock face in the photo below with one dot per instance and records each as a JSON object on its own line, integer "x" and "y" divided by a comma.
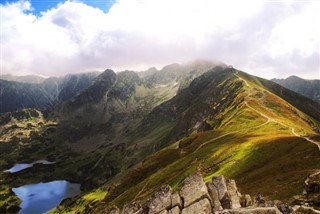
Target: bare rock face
{"x": 175, "y": 210}
{"x": 220, "y": 196}
{"x": 258, "y": 210}
{"x": 201, "y": 207}
{"x": 193, "y": 189}
{"x": 176, "y": 200}
{"x": 221, "y": 185}
{"x": 246, "y": 201}
{"x": 163, "y": 212}
{"x": 234, "y": 194}
{"x": 161, "y": 200}
{"x": 114, "y": 210}
{"x": 260, "y": 200}
{"x": 285, "y": 209}
{"x": 214, "y": 196}
{"x": 132, "y": 208}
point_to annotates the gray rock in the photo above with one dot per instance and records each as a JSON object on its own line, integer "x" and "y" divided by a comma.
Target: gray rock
{"x": 220, "y": 183}
{"x": 163, "y": 212}
{"x": 175, "y": 210}
{"x": 285, "y": 209}
{"x": 214, "y": 196}
{"x": 201, "y": 207}
{"x": 161, "y": 200}
{"x": 246, "y": 201}
{"x": 257, "y": 210}
{"x": 176, "y": 200}
{"x": 132, "y": 208}
{"x": 114, "y": 210}
{"x": 234, "y": 194}
{"x": 313, "y": 187}
{"x": 193, "y": 189}
{"x": 260, "y": 200}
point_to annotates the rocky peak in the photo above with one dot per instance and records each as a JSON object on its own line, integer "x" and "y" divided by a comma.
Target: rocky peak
{"x": 98, "y": 89}
{"x": 107, "y": 73}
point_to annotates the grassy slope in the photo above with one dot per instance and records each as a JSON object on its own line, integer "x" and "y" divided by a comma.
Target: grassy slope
{"x": 253, "y": 144}
{"x": 239, "y": 114}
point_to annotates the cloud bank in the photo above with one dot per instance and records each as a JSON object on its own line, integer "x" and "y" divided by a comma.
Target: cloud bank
{"x": 265, "y": 38}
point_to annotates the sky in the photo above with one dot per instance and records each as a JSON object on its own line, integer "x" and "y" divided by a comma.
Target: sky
{"x": 270, "y": 38}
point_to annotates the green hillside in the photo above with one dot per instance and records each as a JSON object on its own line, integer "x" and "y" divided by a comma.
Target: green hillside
{"x": 126, "y": 135}
{"x": 225, "y": 122}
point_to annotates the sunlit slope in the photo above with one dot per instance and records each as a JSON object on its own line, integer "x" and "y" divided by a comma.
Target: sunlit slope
{"x": 226, "y": 122}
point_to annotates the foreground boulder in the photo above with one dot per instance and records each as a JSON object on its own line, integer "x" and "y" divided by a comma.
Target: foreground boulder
{"x": 246, "y": 200}
{"x": 193, "y": 189}
{"x": 132, "y": 208}
{"x": 213, "y": 193}
{"x": 115, "y": 210}
{"x": 221, "y": 185}
{"x": 176, "y": 200}
{"x": 234, "y": 194}
{"x": 256, "y": 210}
{"x": 161, "y": 200}
{"x": 201, "y": 207}
{"x": 221, "y": 196}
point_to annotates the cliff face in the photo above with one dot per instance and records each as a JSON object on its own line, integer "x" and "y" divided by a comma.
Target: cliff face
{"x": 220, "y": 196}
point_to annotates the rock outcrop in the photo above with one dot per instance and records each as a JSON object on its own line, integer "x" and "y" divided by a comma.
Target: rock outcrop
{"x": 160, "y": 201}
{"x": 194, "y": 189}
{"x": 221, "y": 196}
{"x": 133, "y": 207}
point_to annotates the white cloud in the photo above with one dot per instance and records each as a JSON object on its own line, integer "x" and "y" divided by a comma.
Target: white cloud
{"x": 269, "y": 39}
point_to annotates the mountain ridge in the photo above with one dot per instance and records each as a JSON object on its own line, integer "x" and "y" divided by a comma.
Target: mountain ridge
{"x": 308, "y": 88}
{"x": 218, "y": 122}
{"x": 195, "y": 144}
{"x": 45, "y": 94}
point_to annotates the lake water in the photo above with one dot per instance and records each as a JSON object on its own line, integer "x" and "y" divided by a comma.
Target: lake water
{"x": 20, "y": 166}
{"x": 42, "y": 197}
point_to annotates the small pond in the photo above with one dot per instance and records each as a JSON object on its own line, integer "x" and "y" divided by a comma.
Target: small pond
{"x": 42, "y": 197}
{"x": 20, "y": 166}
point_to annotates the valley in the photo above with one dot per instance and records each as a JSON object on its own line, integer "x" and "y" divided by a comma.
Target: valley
{"x": 127, "y": 134}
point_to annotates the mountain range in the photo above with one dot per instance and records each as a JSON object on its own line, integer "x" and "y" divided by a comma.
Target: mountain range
{"x": 36, "y": 92}
{"x": 124, "y": 135}
{"x": 308, "y": 88}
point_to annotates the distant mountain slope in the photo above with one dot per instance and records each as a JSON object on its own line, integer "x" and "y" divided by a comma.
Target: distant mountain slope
{"x": 130, "y": 94}
{"x": 18, "y": 95}
{"x": 25, "y": 79}
{"x": 308, "y": 88}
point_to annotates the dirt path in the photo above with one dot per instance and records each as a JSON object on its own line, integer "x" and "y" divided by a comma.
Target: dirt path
{"x": 245, "y": 81}
{"x": 280, "y": 123}
{"x": 269, "y": 119}
{"x": 241, "y": 130}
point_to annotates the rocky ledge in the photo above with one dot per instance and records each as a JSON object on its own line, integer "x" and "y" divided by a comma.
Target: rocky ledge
{"x": 221, "y": 196}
